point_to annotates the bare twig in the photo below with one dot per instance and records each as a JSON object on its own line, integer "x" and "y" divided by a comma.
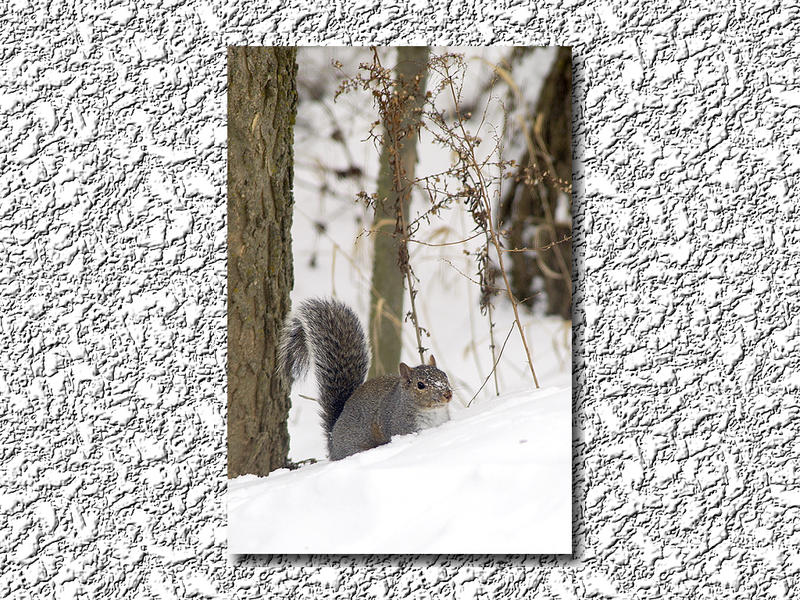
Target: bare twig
{"x": 495, "y": 358}
{"x": 494, "y": 366}
{"x": 421, "y": 243}
{"x": 564, "y": 239}
{"x": 486, "y": 285}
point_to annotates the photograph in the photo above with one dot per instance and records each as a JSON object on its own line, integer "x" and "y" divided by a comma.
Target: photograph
{"x": 454, "y": 301}
{"x": 418, "y": 300}
{"x": 399, "y": 300}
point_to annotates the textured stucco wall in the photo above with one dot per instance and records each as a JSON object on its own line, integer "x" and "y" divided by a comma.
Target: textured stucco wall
{"x": 112, "y": 362}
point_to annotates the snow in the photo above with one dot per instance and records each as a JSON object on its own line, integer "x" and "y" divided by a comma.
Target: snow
{"x": 495, "y": 479}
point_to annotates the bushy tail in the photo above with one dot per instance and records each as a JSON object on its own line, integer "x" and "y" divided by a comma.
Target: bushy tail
{"x": 327, "y": 335}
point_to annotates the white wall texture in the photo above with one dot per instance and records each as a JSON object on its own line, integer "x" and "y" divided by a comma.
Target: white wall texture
{"x": 112, "y": 309}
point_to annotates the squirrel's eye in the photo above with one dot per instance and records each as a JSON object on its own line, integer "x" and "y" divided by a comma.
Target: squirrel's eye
{"x": 420, "y": 385}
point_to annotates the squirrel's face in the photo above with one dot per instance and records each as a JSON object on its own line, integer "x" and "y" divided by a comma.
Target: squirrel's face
{"x": 427, "y": 385}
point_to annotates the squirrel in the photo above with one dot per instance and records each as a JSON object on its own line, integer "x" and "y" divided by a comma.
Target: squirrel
{"x": 356, "y": 414}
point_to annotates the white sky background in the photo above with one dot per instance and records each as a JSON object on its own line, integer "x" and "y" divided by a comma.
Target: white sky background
{"x": 447, "y": 300}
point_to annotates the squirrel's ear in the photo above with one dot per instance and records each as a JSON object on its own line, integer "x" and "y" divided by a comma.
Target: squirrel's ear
{"x": 432, "y": 361}
{"x": 405, "y": 371}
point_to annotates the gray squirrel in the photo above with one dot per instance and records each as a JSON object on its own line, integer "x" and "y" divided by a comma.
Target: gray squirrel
{"x": 358, "y": 415}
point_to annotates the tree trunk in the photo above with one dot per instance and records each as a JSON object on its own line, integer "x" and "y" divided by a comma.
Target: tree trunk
{"x": 386, "y": 300}
{"x": 262, "y": 103}
{"x": 527, "y": 211}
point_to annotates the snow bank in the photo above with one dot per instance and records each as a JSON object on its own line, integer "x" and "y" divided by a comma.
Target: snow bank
{"x": 493, "y": 480}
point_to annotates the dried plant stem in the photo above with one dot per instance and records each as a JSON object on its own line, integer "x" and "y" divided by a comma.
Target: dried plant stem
{"x": 513, "y": 300}
{"x": 490, "y": 227}
{"x": 412, "y": 293}
{"x": 473, "y": 346}
{"x": 494, "y": 366}
{"x": 492, "y": 346}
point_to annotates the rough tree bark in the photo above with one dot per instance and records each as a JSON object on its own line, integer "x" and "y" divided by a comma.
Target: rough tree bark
{"x": 262, "y": 103}
{"x": 386, "y": 300}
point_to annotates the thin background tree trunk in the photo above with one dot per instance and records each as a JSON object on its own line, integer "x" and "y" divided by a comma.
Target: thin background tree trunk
{"x": 262, "y": 103}
{"x": 527, "y": 208}
{"x": 387, "y": 278}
